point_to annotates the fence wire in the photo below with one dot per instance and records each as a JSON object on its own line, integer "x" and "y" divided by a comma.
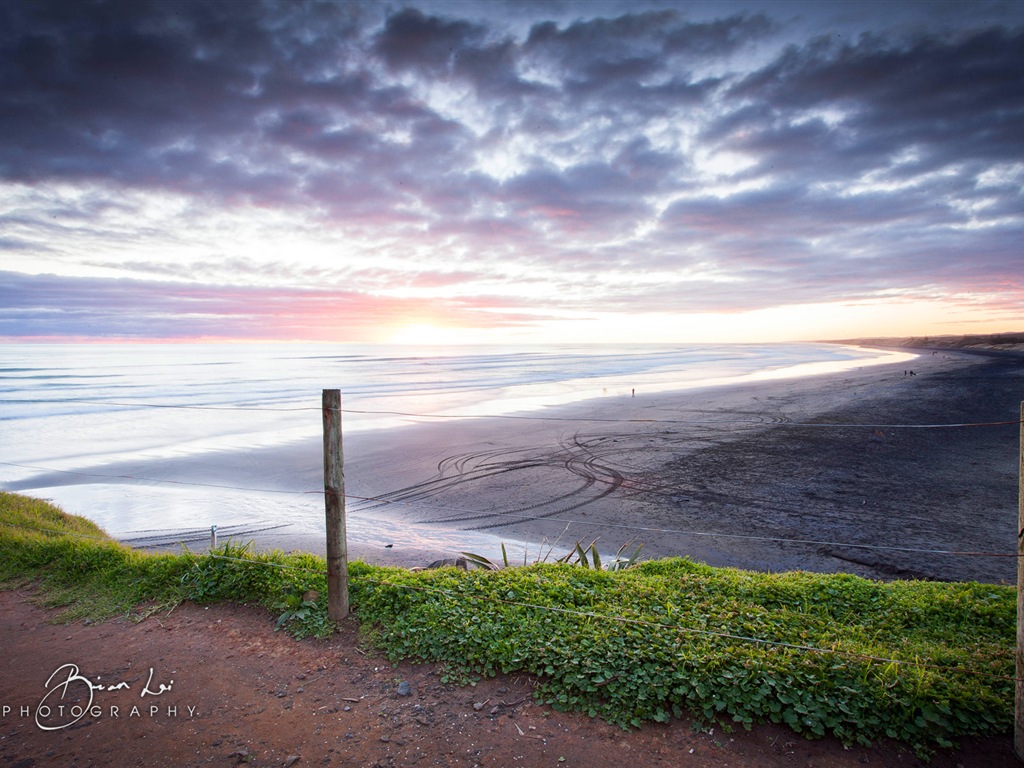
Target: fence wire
{"x": 741, "y": 423}
{"x": 515, "y": 516}
{"x": 734, "y": 424}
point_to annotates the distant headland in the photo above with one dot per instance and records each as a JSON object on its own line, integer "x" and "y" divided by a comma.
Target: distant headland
{"x": 1012, "y": 342}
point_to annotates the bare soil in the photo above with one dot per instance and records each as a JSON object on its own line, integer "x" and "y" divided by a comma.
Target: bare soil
{"x": 238, "y": 693}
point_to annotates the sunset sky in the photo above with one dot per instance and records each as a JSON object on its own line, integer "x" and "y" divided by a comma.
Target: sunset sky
{"x": 510, "y": 171}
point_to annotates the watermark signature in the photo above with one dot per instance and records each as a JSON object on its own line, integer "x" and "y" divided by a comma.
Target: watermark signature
{"x": 53, "y": 713}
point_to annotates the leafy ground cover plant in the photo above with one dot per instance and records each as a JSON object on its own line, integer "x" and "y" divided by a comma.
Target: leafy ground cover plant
{"x": 922, "y": 662}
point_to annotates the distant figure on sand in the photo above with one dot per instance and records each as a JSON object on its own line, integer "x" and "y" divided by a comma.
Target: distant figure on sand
{"x": 634, "y": 392}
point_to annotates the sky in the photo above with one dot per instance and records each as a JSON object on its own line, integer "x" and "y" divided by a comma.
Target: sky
{"x": 510, "y": 172}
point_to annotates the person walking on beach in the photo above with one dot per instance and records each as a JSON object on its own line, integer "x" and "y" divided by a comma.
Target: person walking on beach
{"x": 634, "y": 392}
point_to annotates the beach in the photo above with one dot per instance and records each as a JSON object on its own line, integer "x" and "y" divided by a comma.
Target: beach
{"x": 763, "y": 468}
{"x": 855, "y": 472}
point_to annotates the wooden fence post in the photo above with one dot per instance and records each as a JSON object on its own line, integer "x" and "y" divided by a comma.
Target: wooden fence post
{"x": 334, "y": 502}
{"x": 1018, "y": 724}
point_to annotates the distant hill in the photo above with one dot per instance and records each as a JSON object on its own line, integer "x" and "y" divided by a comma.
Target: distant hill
{"x": 1000, "y": 342}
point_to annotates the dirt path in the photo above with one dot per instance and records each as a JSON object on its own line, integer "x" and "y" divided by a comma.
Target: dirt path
{"x": 237, "y": 693}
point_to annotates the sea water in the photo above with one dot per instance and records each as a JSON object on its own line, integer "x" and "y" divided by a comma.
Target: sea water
{"x": 91, "y": 425}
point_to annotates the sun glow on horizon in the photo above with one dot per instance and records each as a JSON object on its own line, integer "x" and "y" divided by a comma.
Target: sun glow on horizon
{"x": 429, "y": 334}
{"x": 877, "y": 318}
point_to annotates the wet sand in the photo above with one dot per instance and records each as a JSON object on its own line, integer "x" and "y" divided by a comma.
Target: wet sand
{"x": 815, "y": 473}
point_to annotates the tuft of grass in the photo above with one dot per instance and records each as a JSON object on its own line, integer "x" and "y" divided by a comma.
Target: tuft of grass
{"x": 921, "y": 662}
{"x": 78, "y": 567}
{"x": 587, "y": 557}
{"x": 29, "y": 514}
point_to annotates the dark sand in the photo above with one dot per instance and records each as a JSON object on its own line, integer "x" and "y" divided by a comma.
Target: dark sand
{"x": 826, "y": 473}
{"x": 753, "y": 475}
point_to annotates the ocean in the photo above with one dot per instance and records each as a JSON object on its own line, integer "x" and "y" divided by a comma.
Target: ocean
{"x": 104, "y": 429}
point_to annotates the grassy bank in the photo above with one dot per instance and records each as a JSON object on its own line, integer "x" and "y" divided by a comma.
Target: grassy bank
{"x": 922, "y": 662}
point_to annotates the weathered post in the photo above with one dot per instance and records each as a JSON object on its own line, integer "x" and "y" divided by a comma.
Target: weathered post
{"x": 213, "y": 537}
{"x": 1018, "y": 726}
{"x": 334, "y": 502}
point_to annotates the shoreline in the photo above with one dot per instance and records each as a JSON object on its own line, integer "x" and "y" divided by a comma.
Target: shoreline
{"x": 726, "y": 475}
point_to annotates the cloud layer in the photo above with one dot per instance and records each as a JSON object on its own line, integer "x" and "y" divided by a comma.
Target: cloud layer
{"x": 326, "y": 170}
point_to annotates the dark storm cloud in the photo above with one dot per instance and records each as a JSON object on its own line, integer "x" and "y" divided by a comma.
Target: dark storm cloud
{"x": 950, "y": 100}
{"x": 589, "y": 196}
{"x": 217, "y": 99}
{"x": 913, "y": 123}
{"x": 795, "y": 210}
{"x": 413, "y": 41}
{"x": 636, "y": 65}
{"x": 637, "y": 44}
{"x": 582, "y": 135}
{"x": 248, "y": 100}
{"x": 200, "y": 98}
